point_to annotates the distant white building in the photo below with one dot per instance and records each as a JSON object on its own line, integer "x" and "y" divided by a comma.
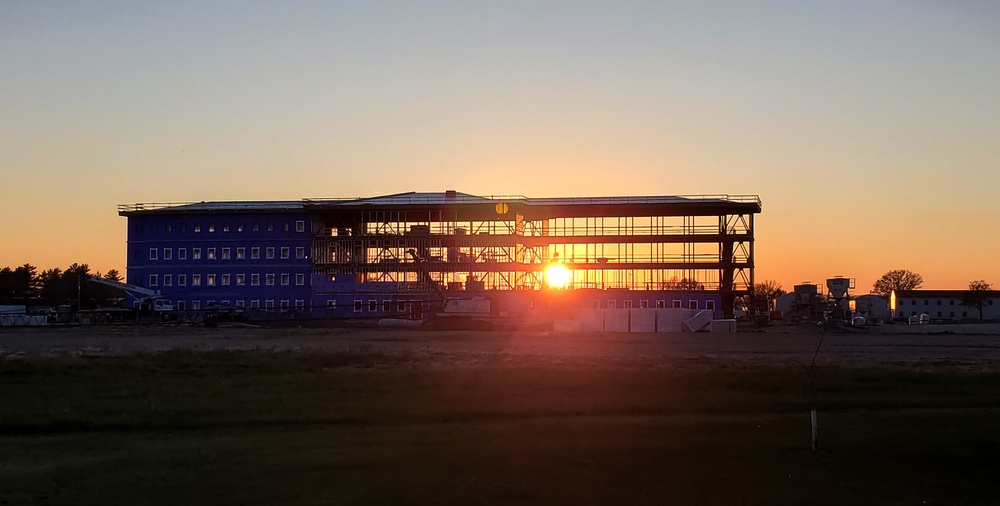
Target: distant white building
{"x": 943, "y": 304}
{"x": 872, "y": 307}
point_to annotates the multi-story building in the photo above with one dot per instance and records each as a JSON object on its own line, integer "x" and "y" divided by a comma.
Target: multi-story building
{"x": 379, "y": 256}
{"x": 253, "y": 254}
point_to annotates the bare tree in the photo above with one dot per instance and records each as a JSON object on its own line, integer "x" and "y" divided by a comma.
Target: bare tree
{"x": 768, "y": 290}
{"x": 896, "y": 280}
{"x": 978, "y": 295}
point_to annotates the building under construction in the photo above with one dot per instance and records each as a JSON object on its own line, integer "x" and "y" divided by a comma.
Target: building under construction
{"x": 391, "y": 255}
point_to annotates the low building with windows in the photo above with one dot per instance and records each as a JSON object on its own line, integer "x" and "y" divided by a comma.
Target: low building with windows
{"x": 944, "y": 305}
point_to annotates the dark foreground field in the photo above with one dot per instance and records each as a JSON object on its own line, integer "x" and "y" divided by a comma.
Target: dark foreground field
{"x": 245, "y": 427}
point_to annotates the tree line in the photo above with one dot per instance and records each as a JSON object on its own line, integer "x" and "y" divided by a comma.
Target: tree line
{"x": 25, "y": 285}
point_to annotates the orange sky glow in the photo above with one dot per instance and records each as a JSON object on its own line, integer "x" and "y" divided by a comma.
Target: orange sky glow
{"x": 870, "y": 132}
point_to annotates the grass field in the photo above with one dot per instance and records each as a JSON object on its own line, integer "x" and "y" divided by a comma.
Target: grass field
{"x": 353, "y": 428}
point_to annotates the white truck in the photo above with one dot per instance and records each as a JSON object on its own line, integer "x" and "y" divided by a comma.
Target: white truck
{"x": 147, "y": 301}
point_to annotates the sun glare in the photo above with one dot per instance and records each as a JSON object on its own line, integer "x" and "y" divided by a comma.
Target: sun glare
{"x": 558, "y": 276}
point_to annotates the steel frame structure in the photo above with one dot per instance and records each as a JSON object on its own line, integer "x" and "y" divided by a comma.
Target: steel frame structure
{"x": 466, "y": 242}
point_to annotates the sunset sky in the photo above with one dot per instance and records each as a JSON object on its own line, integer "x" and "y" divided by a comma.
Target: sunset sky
{"x": 870, "y": 129}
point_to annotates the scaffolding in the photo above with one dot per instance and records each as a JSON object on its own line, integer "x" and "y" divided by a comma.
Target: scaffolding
{"x": 506, "y": 243}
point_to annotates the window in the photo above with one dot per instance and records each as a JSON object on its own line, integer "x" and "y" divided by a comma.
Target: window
{"x": 211, "y": 227}
{"x": 661, "y": 304}
{"x": 169, "y": 227}
{"x": 627, "y": 304}
{"x": 300, "y": 226}
{"x": 269, "y": 252}
{"x": 270, "y": 227}
{"x": 692, "y": 304}
{"x": 926, "y": 303}
{"x": 331, "y": 304}
{"x": 241, "y": 303}
{"x": 210, "y": 253}
{"x": 300, "y": 279}
{"x": 939, "y": 313}
{"x": 239, "y": 227}
{"x": 300, "y": 252}
{"x": 255, "y": 252}
{"x": 168, "y": 279}
{"x": 951, "y": 303}
{"x": 152, "y": 253}
{"x": 284, "y": 303}
{"x": 284, "y": 251}
{"x": 210, "y": 280}
{"x": 386, "y": 305}
{"x": 168, "y": 254}
{"x": 300, "y": 304}
{"x": 196, "y": 253}
{"x": 710, "y": 304}
{"x": 284, "y": 279}
{"x": 195, "y": 305}
{"x": 284, "y": 227}
{"x": 400, "y": 306}
{"x": 952, "y": 314}
{"x": 269, "y": 279}
{"x": 269, "y": 303}
{"x": 182, "y": 253}
{"x": 197, "y": 227}
{"x": 225, "y": 253}
{"x": 184, "y": 227}
{"x": 913, "y": 302}
{"x": 595, "y": 304}
{"x": 241, "y": 253}
{"x": 372, "y": 305}
{"x": 643, "y": 304}
{"x": 225, "y": 280}
{"x": 182, "y": 305}
{"x": 137, "y": 254}
{"x": 153, "y": 227}
{"x": 255, "y": 279}
{"x": 241, "y": 279}
{"x": 196, "y": 280}
{"x": 939, "y": 303}
{"x": 254, "y": 303}
{"x": 182, "y": 279}
{"x": 357, "y": 305}
{"x": 225, "y": 227}
{"x": 256, "y": 227}
{"x": 153, "y": 281}
{"x": 676, "y": 304}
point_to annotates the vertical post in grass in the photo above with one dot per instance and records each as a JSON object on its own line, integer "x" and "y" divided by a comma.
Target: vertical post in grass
{"x": 815, "y": 430}
{"x": 813, "y": 394}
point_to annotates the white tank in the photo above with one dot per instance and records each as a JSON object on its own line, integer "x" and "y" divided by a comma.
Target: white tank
{"x": 838, "y": 287}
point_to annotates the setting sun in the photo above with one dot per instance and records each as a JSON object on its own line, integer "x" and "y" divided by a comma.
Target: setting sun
{"x": 558, "y": 276}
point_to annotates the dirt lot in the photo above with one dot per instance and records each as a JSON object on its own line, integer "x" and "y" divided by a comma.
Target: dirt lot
{"x": 777, "y": 346}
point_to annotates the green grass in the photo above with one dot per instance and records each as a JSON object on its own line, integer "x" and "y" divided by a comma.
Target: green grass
{"x": 266, "y": 428}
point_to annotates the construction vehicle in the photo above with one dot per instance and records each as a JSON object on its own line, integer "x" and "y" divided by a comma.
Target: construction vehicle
{"x": 454, "y": 313}
{"x": 147, "y": 302}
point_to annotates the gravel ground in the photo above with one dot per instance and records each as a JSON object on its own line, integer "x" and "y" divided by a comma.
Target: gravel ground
{"x": 776, "y": 346}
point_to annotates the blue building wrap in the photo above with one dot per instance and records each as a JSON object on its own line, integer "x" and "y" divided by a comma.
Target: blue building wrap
{"x": 195, "y": 260}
